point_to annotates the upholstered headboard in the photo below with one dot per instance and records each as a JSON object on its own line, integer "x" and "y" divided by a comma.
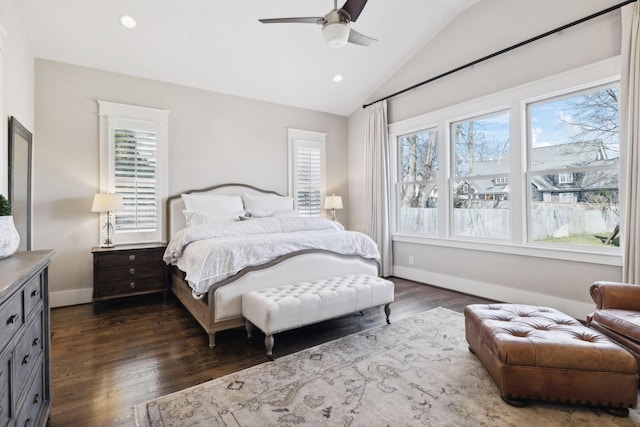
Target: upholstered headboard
{"x": 175, "y": 218}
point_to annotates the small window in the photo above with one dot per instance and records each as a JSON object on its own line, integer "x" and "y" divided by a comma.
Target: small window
{"x": 565, "y": 178}
{"x": 307, "y": 152}
{"x": 133, "y": 163}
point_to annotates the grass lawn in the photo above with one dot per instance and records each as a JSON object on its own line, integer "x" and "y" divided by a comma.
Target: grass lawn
{"x": 583, "y": 239}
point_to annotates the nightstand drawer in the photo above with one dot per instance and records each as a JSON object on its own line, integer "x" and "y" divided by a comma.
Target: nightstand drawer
{"x": 113, "y": 259}
{"x": 132, "y": 286}
{"x": 130, "y": 272}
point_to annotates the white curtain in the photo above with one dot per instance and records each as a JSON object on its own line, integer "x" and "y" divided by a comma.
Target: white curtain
{"x": 376, "y": 184}
{"x": 629, "y": 135}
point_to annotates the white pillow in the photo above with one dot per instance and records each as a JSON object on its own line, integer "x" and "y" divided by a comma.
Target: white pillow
{"x": 267, "y": 202}
{"x": 212, "y": 205}
{"x": 195, "y": 219}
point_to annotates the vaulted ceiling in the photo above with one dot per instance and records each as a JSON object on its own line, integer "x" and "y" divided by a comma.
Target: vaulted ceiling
{"x": 220, "y": 45}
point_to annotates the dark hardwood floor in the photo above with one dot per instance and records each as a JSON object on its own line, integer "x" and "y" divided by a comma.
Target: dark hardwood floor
{"x": 140, "y": 348}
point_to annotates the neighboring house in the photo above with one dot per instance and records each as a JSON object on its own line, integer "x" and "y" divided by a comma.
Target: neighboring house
{"x": 566, "y": 187}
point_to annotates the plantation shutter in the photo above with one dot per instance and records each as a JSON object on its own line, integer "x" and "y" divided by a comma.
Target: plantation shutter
{"x": 135, "y": 177}
{"x": 309, "y": 181}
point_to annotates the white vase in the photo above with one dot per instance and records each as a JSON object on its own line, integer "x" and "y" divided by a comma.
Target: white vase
{"x": 9, "y": 237}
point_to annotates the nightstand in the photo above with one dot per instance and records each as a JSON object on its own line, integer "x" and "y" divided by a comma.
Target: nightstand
{"x": 128, "y": 270}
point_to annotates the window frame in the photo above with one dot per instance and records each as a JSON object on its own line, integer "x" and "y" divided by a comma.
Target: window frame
{"x": 298, "y": 138}
{"x": 515, "y": 99}
{"x": 112, "y": 114}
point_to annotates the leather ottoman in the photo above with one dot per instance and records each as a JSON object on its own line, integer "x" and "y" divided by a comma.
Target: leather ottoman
{"x": 538, "y": 353}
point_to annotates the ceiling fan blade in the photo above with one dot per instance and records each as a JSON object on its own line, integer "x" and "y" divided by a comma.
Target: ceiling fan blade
{"x": 354, "y": 8}
{"x": 360, "y": 39}
{"x": 309, "y": 20}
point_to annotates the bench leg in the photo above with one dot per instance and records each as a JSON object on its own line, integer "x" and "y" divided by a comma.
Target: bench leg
{"x": 387, "y": 311}
{"x": 268, "y": 343}
{"x": 249, "y": 327}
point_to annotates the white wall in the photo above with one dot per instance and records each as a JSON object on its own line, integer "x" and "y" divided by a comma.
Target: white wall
{"x": 16, "y": 79}
{"x": 488, "y": 26}
{"x": 214, "y": 139}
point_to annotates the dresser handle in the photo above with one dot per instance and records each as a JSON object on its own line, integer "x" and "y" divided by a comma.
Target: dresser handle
{"x": 132, "y": 257}
{"x": 12, "y": 319}
{"x": 27, "y": 423}
{"x": 36, "y": 398}
{"x": 132, "y": 270}
{"x": 35, "y": 342}
{"x": 132, "y": 285}
{"x": 25, "y": 359}
{"x": 35, "y": 293}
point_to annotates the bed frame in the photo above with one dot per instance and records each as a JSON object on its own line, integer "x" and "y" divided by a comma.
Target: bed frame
{"x": 221, "y": 307}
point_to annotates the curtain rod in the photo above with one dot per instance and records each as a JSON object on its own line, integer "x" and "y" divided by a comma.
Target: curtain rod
{"x": 500, "y": 52}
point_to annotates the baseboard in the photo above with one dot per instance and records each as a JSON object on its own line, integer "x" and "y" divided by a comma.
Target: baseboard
{"x": 73, "y": 297}
{"x": 576, "y": 309}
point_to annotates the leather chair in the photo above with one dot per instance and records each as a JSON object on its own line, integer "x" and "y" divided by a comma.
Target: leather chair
{"x": 617, "y": 314}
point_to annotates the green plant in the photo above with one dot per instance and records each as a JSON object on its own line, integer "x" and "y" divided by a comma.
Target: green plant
{"x": 5, "y": 207}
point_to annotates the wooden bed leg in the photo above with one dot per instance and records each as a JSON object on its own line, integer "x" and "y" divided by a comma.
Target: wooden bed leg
{"x": 249, "y": 327}
{"x": 387, "y": 311}
{"x": 212, "y": 339}
{"x": 268, "y": 343}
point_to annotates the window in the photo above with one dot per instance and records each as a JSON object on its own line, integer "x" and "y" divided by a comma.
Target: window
{"x": 574, "y": 167}
{"x": 133, "y": 163}
{"x": 307, "y": 170}
{"x": 532, "y": 170}
{"x": 417, "y": 187}
{"x": 481, "y": 165}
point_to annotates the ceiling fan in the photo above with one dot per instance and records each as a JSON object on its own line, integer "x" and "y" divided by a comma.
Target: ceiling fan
{"x": 335, "y": 24}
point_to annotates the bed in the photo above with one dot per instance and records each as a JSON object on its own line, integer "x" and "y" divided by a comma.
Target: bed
{"x": 216, "y": 301}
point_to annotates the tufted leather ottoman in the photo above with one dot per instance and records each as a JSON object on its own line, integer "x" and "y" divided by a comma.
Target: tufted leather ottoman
{"x": 279, "y": 309}
{"x": 540, "y": 353}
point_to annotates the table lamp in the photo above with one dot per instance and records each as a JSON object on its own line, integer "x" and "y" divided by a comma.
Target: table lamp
{"x": 107, "y": 202}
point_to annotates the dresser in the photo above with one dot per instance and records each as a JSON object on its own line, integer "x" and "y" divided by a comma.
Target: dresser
{"x": 25, "y": 339}
{"x": 127, "y": 270}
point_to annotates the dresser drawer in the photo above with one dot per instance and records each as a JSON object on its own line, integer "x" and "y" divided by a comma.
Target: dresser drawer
{"x": 28, "y": 353}
{"x": 32, "y": 295}
{"x": 11, "y": 317}
{"x": 5, "y": 396}
{"x": 29, "y": 412}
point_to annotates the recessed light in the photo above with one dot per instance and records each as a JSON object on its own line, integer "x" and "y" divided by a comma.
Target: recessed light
{"x": 127, "y": 21}
{"x": 337, "y": 78}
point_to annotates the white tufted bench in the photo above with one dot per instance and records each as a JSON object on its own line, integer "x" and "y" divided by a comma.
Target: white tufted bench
{"x": 279, "y": 309}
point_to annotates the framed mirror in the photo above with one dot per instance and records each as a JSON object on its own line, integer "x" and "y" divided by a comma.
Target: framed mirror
{"x": 20, "y": 159}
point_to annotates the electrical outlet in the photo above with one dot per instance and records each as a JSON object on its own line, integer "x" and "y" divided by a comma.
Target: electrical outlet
{"x": 411, "y": 260}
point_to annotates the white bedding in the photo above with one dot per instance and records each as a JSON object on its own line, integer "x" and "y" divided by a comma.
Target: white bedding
{"x": 211, "y": 253}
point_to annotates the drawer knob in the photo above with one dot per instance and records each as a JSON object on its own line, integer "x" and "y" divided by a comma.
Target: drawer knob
{"x": 132, "y": 270}
{"x": 35, "y": 293}
{"x": 35, "y": 342}
{"x": 132, "y": 257}
{"x": 25, "y": 359}
{"x": 132, "y": 285}
{"x": 12, "y": 319}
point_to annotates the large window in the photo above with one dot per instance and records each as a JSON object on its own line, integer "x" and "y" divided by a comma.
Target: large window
{"x": 480, "y": 183}
{"x": 133, "y": 163}
{"x": 307, "y": 170}
{"x": 574, "y": 168}
{"x": 535, "y": 167}
{"x": 417, "y": 185}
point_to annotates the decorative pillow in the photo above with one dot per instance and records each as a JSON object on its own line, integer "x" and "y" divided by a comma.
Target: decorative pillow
{"x": 212, "y": 205}
{"x": 195, "y": 219}
{"x": 267, "y": 203}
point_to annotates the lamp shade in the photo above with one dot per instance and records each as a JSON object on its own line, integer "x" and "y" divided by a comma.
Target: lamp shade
{"x": 107, "y": 202}
{"x": 336, "y": 34}
{"x": 333, "y": 202}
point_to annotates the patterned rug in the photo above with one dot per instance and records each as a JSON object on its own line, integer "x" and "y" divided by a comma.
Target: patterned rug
{"x": 414, "y": 372}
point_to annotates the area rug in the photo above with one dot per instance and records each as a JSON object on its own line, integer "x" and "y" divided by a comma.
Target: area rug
{"x": 415, "y": 372}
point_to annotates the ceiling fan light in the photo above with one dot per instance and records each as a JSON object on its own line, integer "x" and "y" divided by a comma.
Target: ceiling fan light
{"x": 336, "y": 34}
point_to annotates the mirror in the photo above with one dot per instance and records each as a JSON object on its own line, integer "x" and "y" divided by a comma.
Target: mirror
{"x": 20, "y": 155}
